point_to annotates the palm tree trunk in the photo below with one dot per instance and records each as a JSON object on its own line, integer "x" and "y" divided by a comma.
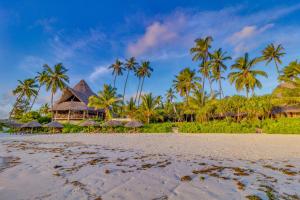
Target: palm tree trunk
{"x": 115, "y": 81}
{"x": 277, "y": 68}
{"x": 52, "y": 94}
{"x": 35, "y": 98}
{"x": 15, "y": 105}
{"x": 210, "y": 86}
{"x": 125, "y": 86}
{"x": 137, "y": 92}
{"x": 141, "y": 90}
{"x": 220, "y": 89}
{"x": 203, "y": 90}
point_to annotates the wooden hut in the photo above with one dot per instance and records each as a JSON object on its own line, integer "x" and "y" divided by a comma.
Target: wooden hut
{"x": 73, "y": 104}
{"x": 286, "y": 111}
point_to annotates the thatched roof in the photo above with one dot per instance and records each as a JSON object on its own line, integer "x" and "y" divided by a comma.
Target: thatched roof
{"x": 32, "y": 124}
{"x": 134, "y": 124}
{"x": 11, "y": 123}
{"x": 72, "y": 105}
{"x": 54, "y": 124}
{"x": 286, "y": 109}
{"x": 81, "y": 93}
{"x": 113, "y": 123}
{"x": 89, "y": 123}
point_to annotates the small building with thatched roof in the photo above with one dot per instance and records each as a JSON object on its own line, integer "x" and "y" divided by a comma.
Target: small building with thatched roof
{"x": 286, "y": 111}
{"x": 73, "y": 104}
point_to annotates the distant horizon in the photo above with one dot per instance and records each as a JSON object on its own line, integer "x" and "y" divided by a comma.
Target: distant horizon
{"x": 88, "y": 40}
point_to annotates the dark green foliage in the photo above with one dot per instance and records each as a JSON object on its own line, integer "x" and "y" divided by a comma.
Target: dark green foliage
{"x": 71, "y": 128}
{"x": 216, "y": 127}
{"x": 157, "y": 128}
{"x": 282, "y": 125}
{"x": 35, "y": 116}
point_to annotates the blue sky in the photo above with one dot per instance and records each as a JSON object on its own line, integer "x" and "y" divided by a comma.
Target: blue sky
{"x": 87, "y": 36}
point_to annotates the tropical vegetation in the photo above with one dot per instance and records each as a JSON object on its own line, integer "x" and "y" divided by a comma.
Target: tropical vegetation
{"x": 195, "y": 102}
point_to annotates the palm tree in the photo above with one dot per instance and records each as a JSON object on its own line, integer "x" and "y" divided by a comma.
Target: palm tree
{"x": 149, "y": 106}
{"x": 273, "y": 53}
{"x": 217, "y": 63}
{"x": 184, "y": 82}
{"x": 170, "y": 95}
{"x": 137, "y": 73}
{"x": 106, "y": 100}
{"x": 117, "y": 68}
{"x": 26, "y": 88}
{"x": 44, "y": 109}
{"x": 57, "y": 79}
{"x": 245, "y": 76}
{"x": 291, "y": 73}
{"x": 130, "y": 65}
{"x": 42, "y": 79}
{"x": 201, "y": 52}
{"x": 144, "y": 71}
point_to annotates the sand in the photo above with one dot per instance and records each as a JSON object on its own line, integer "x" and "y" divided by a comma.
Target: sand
{"x": 150, "y": 166}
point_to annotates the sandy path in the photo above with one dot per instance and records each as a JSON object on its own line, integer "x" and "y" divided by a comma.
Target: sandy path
{"x": 153, "y": 166}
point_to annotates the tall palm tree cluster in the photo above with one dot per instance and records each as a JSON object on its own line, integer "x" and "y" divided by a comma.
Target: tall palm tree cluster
{"x": 27, "y": 91}
{"x": 141, "y": 71}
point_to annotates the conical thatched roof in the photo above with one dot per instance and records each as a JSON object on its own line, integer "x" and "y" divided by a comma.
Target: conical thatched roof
{"x": 134, "y": 124}
{"x": 54, "y": 124}
{"x": 75, "y": 98}
{"x": 32, "y": 124}
{"x": 89, "y": 123}
{"x": 113, "y": 123}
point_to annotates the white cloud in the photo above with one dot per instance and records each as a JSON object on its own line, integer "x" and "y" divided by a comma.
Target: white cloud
{"x": 156, "y": 34}
{"x": 240, "y": 39}
{"x": 32, "y": 64}
{"x": 66, "y": 47}
{"x": 98, "y": 72}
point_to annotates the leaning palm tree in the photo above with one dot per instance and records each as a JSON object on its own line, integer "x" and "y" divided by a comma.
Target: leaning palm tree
{"x": 144, "y": 71}
{"x": 245, "y": 76}
{"x": 130, "y": 65}
{"x": 149, "y": 106}
{"x": 273, "y": 53}
{"x": 184, "y": 82}
{"x": 217, "y": 63}
{"x": 117, "y": 68}
{"x": 26, "y": 88}
{"x": 57, "y": 79}
{"x": 201, "y": 52}
{"x": 42, "y": 78}
{"x": 106, "y": 100}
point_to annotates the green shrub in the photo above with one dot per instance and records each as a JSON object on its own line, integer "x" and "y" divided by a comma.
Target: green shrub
{"x": 216, "y": 127}
{"x": 282, "y": 126}
{"x": 30, "y": 116}
{"x": 44, "y": 119}
{"x": 156, "y": 128}
{"x": 71, "y": 128}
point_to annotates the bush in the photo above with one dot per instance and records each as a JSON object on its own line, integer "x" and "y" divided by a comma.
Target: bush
{"x": 156, "y": 128}
{"x": 282, "y": 126}
{"x": 30, "y": 116}
{"x": 72, "y": 128}
{"x": 216, "y": 127}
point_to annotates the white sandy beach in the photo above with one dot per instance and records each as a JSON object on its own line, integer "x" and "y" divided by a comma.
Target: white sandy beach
{"x": 149, "y": 166}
